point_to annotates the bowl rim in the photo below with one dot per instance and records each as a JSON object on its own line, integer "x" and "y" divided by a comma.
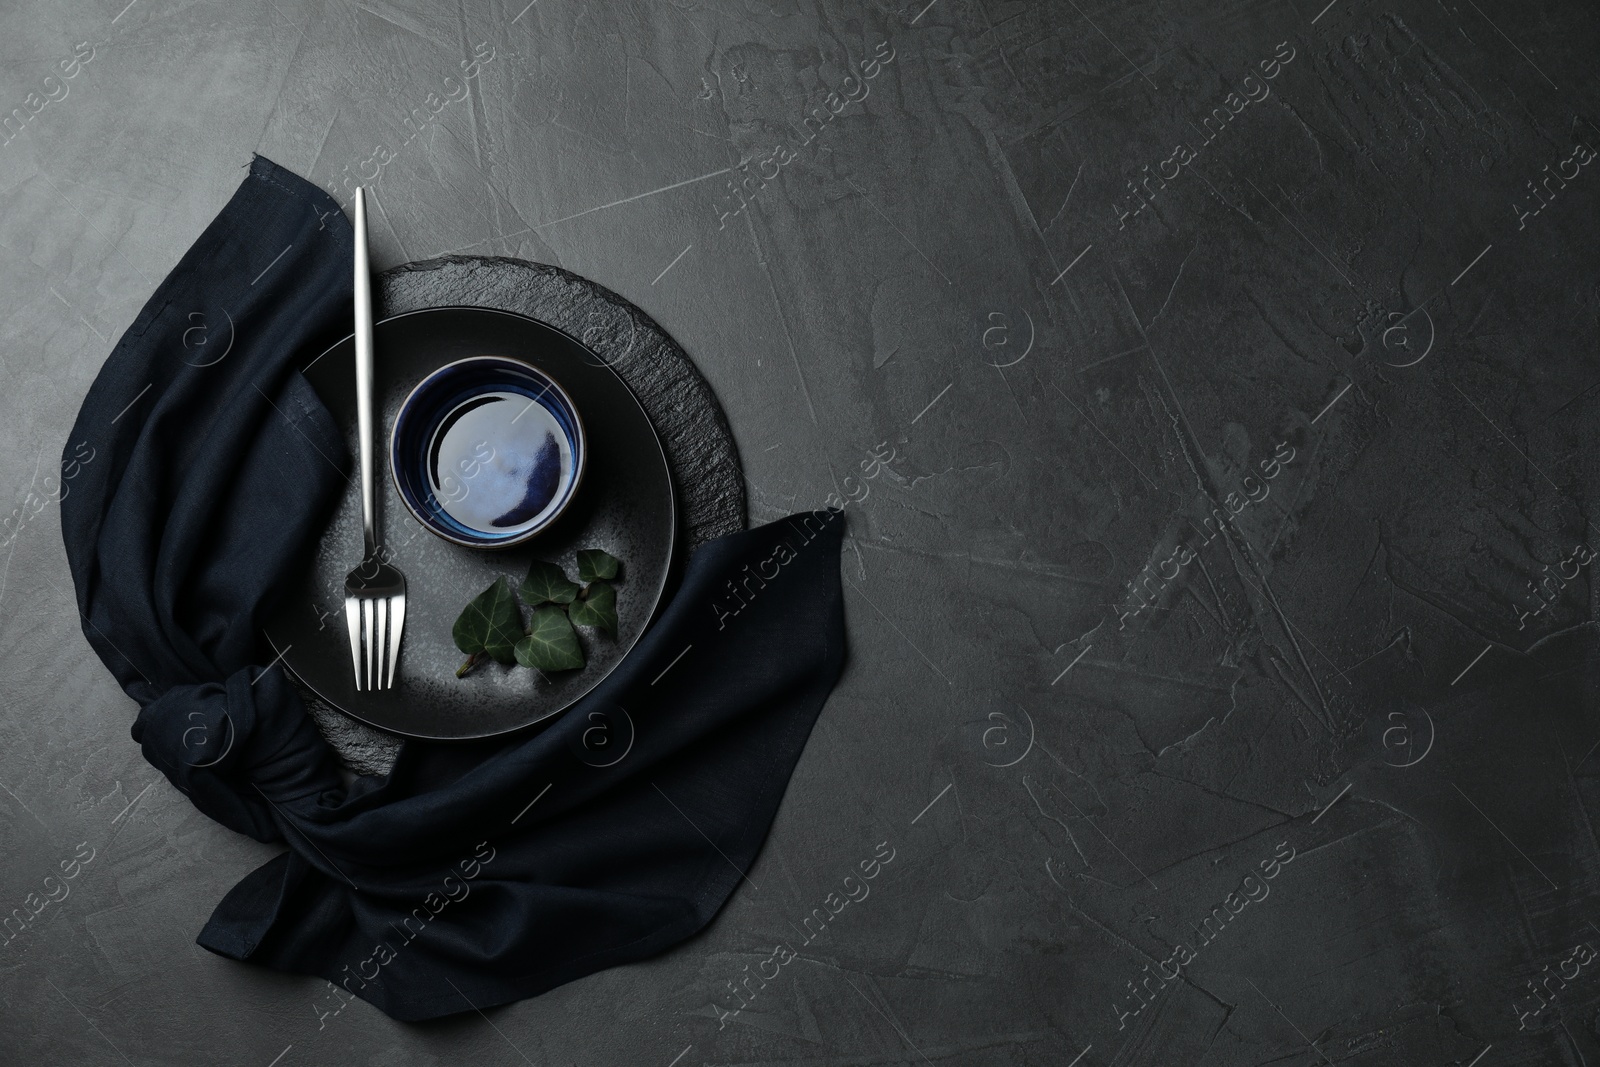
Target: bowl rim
{"x": 527, "y": 535}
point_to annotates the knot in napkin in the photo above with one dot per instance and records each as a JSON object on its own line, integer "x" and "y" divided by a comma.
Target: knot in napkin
{"x": 237, "y": 748}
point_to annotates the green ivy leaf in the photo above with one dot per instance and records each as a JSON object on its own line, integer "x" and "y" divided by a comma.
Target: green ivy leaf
{"x": 547, "y": 584}
{"x": 489, "y": 624}
{"x": 597, "y": 608}
{"x": 552, "y": 643}
{"x": 595, "y": 565}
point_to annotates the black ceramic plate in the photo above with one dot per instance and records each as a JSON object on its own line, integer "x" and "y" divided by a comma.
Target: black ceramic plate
{"x": 625, "y": 506}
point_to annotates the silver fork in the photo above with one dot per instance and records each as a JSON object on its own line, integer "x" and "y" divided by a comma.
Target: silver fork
{"x": 374, "y": 592}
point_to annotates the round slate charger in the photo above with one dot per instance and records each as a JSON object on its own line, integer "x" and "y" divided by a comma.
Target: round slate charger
{"x": 701, "y": 454}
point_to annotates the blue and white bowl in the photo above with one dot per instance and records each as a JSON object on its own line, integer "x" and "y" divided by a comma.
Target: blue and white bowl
{"x": 487, "y": 451}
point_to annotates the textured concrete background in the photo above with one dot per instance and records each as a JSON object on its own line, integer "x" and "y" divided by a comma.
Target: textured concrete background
{"x": 1351, "y": 318}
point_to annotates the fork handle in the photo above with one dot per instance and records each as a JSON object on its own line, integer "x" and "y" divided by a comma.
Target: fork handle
{"x": 363, "y": 334}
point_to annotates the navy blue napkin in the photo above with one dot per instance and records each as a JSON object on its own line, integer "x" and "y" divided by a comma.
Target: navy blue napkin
{"x": 473, "y": 874}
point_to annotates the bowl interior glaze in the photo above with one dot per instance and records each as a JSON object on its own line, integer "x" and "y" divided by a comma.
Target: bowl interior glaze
{"x": 487, "y": 451}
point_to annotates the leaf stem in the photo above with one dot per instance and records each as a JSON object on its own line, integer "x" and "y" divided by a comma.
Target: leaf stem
{"x": 471, "y": 662}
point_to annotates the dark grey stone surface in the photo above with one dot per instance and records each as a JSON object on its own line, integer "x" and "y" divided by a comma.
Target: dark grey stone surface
{"x": 1039, "y": 299}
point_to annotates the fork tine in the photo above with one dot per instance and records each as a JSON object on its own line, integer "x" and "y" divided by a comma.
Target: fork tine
{"x": 397, "y": 606}
{"x": 352, "y": 618}
{"x": 381, "y": 610}
{"x": 366, "y": 629}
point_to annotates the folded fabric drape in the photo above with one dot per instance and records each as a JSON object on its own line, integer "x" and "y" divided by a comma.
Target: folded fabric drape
{"x": 475, "y": 873}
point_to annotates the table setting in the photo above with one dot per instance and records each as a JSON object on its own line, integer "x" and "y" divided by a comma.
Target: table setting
{"x": 387, "y": 525}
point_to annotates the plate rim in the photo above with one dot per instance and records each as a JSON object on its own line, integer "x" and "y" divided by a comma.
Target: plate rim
{"x": 663, "y": 586}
